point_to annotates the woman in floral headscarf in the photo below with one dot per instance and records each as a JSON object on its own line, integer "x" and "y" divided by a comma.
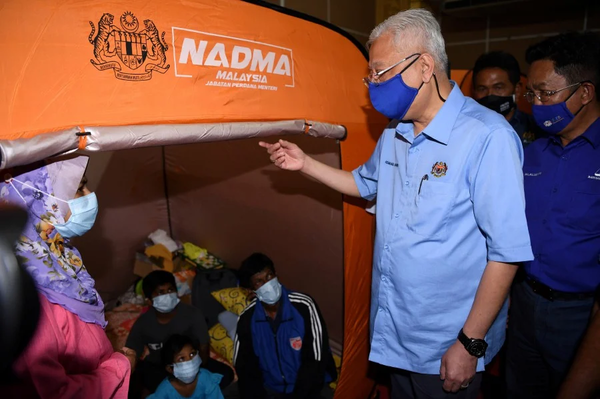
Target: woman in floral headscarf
{"x": 69, "y": 355}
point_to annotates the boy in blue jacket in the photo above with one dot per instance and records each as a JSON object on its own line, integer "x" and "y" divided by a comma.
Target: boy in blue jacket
{"x": 281, "y": 346}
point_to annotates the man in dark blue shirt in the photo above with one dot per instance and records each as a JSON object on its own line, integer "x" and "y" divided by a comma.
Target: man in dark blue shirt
{"x": 497, "y": 85}
{"x": 552, "y": 302}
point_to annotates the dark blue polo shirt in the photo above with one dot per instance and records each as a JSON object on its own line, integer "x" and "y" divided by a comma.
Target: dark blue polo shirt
{"x": 562, "y": 192}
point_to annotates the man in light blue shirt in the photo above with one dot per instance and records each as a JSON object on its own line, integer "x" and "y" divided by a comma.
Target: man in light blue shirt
{"x": 451, "y": 224}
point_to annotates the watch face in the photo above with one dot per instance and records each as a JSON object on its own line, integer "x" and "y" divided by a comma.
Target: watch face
{"x": 477, "y": 348}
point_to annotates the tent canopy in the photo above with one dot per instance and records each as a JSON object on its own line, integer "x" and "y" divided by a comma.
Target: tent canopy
{"x": 151, "y": 78}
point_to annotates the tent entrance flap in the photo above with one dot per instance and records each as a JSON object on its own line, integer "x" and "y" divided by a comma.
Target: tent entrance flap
{"x": 109, "y": 138}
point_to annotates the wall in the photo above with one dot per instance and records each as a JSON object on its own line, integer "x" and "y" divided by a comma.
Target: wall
{"x": 512, "y": 27}
{"x": 356, "y": 17}
{"x": 470, "y": 31}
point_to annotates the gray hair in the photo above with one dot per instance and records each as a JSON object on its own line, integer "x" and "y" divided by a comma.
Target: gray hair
{"x": 419, "y": 25}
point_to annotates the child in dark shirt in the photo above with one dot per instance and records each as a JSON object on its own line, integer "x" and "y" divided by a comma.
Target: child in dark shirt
{"x": 168, "y": 316}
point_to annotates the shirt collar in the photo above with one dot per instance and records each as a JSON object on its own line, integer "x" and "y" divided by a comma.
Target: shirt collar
{"x": 592, "y": 135}
{"x": 442, "y": 124}
{"x": 518, "y": 118}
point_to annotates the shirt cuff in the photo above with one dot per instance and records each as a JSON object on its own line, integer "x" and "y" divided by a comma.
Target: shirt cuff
{"x": 510, "y": 255}
{"x": 363, "y": 188}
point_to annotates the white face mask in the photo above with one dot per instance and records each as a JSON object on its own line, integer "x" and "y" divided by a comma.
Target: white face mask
{"x": 83, "y": 212}
{"x": 186, "y": 372}
{"x": 165, "y": 303}
{"x": 270, "y": 292}
{"x": 83, "y": 215}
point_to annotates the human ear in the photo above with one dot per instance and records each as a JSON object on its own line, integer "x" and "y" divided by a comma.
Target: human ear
{"x": 588, "y": 93}
{"x": 427, "y": 66}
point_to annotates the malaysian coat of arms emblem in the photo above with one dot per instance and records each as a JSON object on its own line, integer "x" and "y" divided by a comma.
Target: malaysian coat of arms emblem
{"x": 439, "y": 169}
{"x": 133, "y": 55}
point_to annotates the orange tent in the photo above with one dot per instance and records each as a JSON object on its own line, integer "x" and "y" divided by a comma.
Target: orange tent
{"x": 162, "y": 82}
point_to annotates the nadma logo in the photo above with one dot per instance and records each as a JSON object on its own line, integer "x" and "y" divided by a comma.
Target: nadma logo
{"x": 226, "y": 61}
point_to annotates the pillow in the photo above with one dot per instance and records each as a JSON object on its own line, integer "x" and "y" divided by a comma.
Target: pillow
{"x": 233, "y": 299}
{"x": 220, "y": 342}
{"x": 338, "y": 366}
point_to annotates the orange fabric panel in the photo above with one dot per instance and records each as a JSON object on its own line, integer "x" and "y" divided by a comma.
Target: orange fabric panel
{"x": 464, "y": 78}
{"x": 129, "y": 62}
{"x": 358, "y": 258}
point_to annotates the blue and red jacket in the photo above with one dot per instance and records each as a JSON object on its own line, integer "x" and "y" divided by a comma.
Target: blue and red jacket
{"x": 289, "y": 355}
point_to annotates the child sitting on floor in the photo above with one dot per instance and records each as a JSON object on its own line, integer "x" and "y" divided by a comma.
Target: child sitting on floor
{"x": 168, "y": 316}
{"x": 186, "y": 379}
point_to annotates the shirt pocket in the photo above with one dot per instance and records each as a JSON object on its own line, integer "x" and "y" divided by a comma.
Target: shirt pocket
{"x": 431, "y": 211}
{"x": 585, "y": 206}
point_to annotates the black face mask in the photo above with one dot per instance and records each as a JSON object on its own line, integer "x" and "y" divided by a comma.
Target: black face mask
{"x": 502, "y": 105}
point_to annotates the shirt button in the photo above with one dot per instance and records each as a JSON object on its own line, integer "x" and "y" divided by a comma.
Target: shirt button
{"x": 396, "y": 216}
{"x": 563, "y": 158}
{"x": 384, "y": 279}
{"x": 386, "y": 247}
{"x": 406, "y": 183}
{"x": 554, "y": 189}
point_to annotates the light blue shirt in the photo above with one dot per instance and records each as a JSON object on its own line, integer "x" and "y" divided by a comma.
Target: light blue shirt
{"x": 432, "y": 246}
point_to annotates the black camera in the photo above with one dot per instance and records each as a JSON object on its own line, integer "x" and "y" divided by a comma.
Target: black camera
{"x": 19, "y": 303}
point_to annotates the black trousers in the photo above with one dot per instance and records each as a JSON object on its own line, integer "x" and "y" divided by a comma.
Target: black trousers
{"x": 409, "y": 385}
{"x": 543, "y": 337}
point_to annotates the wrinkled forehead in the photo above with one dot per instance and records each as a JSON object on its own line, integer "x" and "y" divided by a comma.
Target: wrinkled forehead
{"x": 542, "y": 75}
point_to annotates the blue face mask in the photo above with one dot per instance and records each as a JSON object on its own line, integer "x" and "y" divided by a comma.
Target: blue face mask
{"x": 554, "y": 118}
{"x": 83, "y": 215}
{"x": 186, "y": 372}
{"x": 270, "y": 292}
{"x": 165, "y": 303}
{"x": 393, "y": 97}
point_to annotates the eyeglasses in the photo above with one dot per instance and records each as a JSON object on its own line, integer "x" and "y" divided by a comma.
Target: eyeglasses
{"x": 546, "y": 95}
{"x": 373, "y": 77}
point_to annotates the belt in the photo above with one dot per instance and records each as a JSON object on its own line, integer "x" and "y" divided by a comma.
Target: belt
{"x": 550, "y": 294}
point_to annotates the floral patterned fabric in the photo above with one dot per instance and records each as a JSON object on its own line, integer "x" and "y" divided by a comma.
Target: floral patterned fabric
{"x": 54, "y": 264}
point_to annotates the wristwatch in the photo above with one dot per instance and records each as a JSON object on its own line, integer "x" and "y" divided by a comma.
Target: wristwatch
{"x": 475, "y": 347}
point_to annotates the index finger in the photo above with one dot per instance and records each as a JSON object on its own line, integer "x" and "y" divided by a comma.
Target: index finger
{"x": 271, "y": 148}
